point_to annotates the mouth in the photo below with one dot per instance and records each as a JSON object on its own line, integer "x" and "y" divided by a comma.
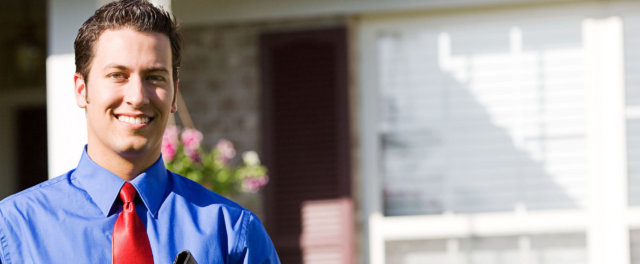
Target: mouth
{"x": 134, "y": 120}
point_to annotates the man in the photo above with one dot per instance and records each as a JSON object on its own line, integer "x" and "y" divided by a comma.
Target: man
{"x": 120, "y": 204}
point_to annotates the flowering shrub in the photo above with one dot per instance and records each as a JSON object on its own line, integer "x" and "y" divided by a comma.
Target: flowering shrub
{"x": 183, "y": 154}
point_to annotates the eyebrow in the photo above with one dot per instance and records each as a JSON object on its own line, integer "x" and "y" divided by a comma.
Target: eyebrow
{"x": 115, "y": 66}
{"x": 149, "y": 70}
{"x": 156, "y": 69}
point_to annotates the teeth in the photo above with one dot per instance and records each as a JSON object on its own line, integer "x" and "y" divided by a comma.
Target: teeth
{"x": 134, "y": 120}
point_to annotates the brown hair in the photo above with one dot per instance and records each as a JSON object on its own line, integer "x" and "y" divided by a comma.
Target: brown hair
{"x": 139, "y": 15}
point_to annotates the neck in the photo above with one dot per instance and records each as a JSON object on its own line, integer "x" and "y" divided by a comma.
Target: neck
{"x": 126, "y": 165}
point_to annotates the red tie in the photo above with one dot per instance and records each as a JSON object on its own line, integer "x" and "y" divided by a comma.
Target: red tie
{"x": 130, "y": 243}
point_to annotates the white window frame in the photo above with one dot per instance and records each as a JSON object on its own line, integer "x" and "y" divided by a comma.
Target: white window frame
{"x": 607, "y": 218}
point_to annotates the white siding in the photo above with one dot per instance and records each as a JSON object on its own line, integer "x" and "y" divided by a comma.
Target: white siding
{"x": 217, "y": 11}
{"x": 537, "y": 249}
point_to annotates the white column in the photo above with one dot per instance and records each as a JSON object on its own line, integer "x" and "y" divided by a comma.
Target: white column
{"x": 66, "y": 127}
{"x": 608, "y": 234}
{"x": 370, "y": 183}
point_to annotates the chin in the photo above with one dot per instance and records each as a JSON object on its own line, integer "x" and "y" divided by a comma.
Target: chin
{"x": 133, "y": 150}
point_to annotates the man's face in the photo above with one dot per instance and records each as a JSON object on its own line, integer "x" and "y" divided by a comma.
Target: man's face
{"x": 129, "y": 94}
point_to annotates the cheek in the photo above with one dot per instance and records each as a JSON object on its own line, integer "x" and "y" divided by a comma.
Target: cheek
{"x": 104, "y": 97}
{"x": 163, "y": 96}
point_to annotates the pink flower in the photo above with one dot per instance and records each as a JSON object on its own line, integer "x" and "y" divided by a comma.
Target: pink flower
{"x": 168, "y": 152}
{"x": 169, "y": 143}
{"x": 226, "y": 150}
{"x": 252, "y": 184}
{"x": 191, "y": 139}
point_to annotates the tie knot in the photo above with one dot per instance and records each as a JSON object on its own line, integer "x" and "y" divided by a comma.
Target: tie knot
{"x": 128, "y": 193}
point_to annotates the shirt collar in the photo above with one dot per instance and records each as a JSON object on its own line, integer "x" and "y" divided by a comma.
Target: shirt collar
{"x": 103, "y": 186}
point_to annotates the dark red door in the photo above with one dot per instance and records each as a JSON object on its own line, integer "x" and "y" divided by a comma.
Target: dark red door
{"x": 306, "y": 130}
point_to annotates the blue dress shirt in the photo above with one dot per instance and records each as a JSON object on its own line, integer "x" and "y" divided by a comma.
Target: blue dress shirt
{"x": 70, "y": 219}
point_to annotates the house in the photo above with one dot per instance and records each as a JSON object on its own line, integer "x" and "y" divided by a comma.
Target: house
{"x": 488, "y": 131}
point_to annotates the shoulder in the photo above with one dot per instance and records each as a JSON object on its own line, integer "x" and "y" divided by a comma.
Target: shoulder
{"x": 40, "y": 201}
{"x": 21, "y": 213}
{"x": 39, "y": 195}
{"x": 204, "y": 202}
{"x": 196, "y": 193}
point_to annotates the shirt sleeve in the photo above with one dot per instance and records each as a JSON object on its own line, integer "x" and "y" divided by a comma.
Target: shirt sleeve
{"x": 258, "y": 247}
{"x": 3, "y": 239}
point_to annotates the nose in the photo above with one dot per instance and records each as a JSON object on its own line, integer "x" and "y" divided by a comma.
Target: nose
{"x": 136, "y": 94}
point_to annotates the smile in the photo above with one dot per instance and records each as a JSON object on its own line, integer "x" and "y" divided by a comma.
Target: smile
{"x": 134, "y": 120}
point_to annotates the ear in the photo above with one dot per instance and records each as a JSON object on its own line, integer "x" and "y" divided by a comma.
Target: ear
{"x": 174, "y": 104}
{"x": 80, "y": 90}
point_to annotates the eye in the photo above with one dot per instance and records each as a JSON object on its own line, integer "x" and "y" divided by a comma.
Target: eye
{"x": 117, "y": 76}
{"x": 155, "y": 78}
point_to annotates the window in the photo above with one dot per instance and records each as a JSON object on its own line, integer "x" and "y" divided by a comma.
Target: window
{"x": 498, "y": 136}
{"x": 483, "y": 118}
